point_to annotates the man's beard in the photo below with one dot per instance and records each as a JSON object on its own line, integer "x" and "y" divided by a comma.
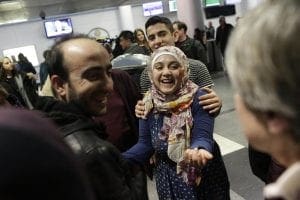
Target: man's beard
{"x": 84, "y": 101}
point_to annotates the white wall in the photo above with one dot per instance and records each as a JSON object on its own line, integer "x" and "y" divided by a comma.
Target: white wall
{"x": 32, "y": 33}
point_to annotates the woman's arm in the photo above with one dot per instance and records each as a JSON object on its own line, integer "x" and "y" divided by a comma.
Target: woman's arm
{"x": 203, "y": 126}
{"x": 142, "y": 150}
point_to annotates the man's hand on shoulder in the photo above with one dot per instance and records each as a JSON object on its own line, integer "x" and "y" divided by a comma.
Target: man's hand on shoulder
{"x": 210, "y": 101}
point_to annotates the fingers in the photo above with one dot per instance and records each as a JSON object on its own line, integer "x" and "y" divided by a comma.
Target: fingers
{"x": 214, "y": 110}
{"x": 140, "y": 109}
{"x": 206, "y": 156}
{"x": 199, "y": 157}
{"x": 211, "y": 107}
{"x": 206, "y": 89}
{"x": 208, "y": 98}
{"x": 210, "y": 101}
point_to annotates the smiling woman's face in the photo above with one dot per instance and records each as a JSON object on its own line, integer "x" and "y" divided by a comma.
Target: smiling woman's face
{"x": 167, "y": 74}
{"x": 140, "y": 36}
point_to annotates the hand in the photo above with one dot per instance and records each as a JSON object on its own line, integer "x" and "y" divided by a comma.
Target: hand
{"x": 210, "y": 101}
{"x": 140, "y": 109}
{"x": 31, "y": 76}
{"x": 198, "y": 156}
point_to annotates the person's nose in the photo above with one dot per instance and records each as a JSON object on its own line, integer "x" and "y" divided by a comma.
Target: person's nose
{"x": 157, "y": 42}
{"x": 166, "y": 71}
{"x": 109, "y": 84}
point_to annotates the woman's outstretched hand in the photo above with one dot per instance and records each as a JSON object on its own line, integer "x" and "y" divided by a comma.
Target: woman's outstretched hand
{"x": 197, "y": 156}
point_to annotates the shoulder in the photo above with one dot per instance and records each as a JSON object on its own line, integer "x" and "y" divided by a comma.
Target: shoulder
{"x": 145, "y": 83}
{"x": 199, "y": 93}
{"x": 196, "y": 107}
{"x": 199, "y": 71}
{"x": 83, "y": 134}
{"x": 196, "y": 64}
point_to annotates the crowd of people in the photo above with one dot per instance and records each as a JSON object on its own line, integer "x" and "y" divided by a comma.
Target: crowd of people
{"x": 100, "y": 132}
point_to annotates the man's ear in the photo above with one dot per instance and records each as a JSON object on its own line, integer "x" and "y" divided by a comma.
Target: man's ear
{"x": 277, "y": 124}
{"x": 176, "y": 36}
{"x": 59, "y": 85}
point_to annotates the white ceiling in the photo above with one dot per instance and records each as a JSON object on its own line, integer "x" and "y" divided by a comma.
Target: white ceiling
{"x": 22, "y": 10}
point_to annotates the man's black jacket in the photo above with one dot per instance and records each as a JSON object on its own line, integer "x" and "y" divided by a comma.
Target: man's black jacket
{"x": 108, "y": 172}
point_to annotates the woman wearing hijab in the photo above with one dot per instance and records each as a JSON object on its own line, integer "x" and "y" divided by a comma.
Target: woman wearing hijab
{"x": 177, "y": 129}
{"x": 35, "y": 163}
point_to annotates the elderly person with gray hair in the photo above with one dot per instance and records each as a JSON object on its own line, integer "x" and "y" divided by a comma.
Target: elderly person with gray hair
{"x": 265, "y": 72}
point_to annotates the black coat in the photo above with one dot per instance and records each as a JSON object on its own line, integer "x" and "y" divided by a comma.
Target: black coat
{"x": 223, "y": 36}
{"x": 108, "y": 171}
{"x": 30, "y": 88}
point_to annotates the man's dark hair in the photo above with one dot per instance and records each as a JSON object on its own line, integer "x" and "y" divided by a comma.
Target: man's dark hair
{"x": 127, "y": 35}
{"x": 56, "y": 60}
{"x": 157, "y": 19}
{"x": 181, "y": 25}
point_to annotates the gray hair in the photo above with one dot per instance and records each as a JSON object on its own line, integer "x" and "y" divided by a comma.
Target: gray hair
{"x": 263, "y": 58}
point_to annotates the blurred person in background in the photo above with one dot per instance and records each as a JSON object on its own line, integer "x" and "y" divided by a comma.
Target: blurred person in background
{"x": 223, "y": 33}
{"x": 192, "y": 48}
{"x": 210, "y": 31}
{"x": 35, "y": 163}
{"x": 117, "y": 50}
{"x": 141, "y": 40}
{"x": 129, "y": 45}
{"x": 200, "y": 35}
{"x": 25, "y": 65}
{"x": 44, "y": 68}
{"x": 18, "y": 84}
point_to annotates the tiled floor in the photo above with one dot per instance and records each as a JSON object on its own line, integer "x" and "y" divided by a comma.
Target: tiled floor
{"x": 233, "y": 145}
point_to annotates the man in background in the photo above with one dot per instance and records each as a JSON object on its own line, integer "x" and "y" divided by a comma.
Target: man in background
{"x": 192, "y": 48}
{"x": 44, "y": 68}
{"x": 210, "y": 31}
{"x": 129, "y": 45}
{"x": 223, "y": 33}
